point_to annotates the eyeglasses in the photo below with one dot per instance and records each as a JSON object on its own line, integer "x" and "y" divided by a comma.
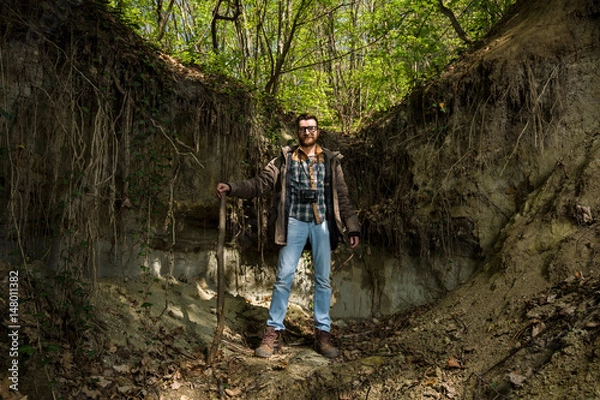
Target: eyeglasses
{"x": 310, "y": 129}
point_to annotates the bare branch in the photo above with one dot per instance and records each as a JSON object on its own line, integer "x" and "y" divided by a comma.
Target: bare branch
{"x": 457, "y": 28}
{"x": 162, "y": 21}
{"x": 237, "y": 11}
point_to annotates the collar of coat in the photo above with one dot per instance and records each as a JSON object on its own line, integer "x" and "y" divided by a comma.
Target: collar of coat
{"x": 299, "y": 155}
{"x": 322, "y": 150}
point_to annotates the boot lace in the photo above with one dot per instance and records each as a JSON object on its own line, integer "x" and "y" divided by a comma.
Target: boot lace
{"x": 270, "y": 338}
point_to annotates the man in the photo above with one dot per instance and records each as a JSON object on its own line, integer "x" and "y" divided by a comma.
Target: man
{"x": 310, "y": 205}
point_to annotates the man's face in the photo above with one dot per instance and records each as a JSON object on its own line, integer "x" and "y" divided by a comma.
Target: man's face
{"x": 308, "y": 132}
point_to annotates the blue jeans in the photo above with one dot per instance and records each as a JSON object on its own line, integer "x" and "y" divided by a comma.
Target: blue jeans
{"x": 289, "y": 256}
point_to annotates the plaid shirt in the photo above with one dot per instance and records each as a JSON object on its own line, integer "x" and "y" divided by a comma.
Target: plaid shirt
{"x": 307, "y": 173}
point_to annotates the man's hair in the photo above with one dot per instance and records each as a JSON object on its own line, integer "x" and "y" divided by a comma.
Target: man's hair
{"x": 304, "y": 117}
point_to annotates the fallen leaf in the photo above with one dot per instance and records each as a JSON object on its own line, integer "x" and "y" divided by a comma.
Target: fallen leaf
{"x": 233, "y": 392}
{"x": 90, "y": 393}
{"x": 124, "y": 389}
{"x": 592, "y": 324}
{"x": 516, "y": 379}
{"x": 67, "y": 360}
{"x": 453, "y": 363}
{"x": 121, "y": 368}
{"x": 449, "y": 390}
{"x": 430, "y": 382}
{"x": 101, "y": 381}
{"x": 176, "y": 385}
{"x": 537, "y": 329}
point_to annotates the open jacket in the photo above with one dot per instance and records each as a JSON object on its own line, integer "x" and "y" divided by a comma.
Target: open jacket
{"x": 340, "y": 213}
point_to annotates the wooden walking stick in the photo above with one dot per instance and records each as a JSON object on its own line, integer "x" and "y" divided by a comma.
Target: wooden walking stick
{"x": 212, "y": 355}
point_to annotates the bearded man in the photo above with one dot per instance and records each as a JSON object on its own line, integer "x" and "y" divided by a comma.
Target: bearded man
{"x": 310, "y": 205}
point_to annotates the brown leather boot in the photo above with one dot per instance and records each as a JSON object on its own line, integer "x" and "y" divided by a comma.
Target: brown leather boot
{"x": 323, "y": 344}
{"x": 271, "y": 343}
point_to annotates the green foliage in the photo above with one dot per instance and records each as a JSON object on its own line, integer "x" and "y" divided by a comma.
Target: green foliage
{"x": 341, "y": 60}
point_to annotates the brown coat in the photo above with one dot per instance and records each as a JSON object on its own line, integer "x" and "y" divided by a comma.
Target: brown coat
{"x": 272, "y": 179}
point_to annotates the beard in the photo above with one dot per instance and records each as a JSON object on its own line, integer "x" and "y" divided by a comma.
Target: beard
{"x": 307, "y": 140}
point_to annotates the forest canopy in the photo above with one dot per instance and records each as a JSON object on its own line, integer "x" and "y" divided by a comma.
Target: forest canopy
{"x": 343, "y": 60}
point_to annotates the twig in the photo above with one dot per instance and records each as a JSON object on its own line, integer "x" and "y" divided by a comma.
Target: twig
{"x": 238, "y": 349}
{"x": 460, "y": 321}
{"x": 514, "y": 148}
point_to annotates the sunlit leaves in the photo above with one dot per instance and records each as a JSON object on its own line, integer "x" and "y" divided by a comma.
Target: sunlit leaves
{"x": 342, "y": 60}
